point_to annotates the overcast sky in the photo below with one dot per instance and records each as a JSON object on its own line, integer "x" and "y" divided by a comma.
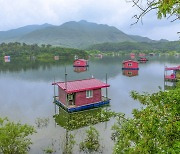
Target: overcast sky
{"x": 118, "y": 13}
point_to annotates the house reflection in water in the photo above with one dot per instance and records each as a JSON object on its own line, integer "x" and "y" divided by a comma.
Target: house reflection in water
{"x": 76, "y": 120}
{"x": 130, "y": 73}
{"x": 71, "y": 122}
{"x": 80, "y": 69}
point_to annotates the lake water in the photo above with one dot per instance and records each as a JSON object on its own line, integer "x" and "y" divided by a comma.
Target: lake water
{"x": 26, "y": 94}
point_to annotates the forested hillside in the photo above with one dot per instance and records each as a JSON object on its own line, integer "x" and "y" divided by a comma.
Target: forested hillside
{"x": 18, "y": 50}
{"x": 138, "y": 46}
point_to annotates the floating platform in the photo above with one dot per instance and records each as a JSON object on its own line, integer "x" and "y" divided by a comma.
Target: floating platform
{"x": 170, "y": 78}
{"x": 80, "y": 66}
{"x": 73, "y": 108}
{"x": 130, "y": 68}
{"x": 143, "y": 60}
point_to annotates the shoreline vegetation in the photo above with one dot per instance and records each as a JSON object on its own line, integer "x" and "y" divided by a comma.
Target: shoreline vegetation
{"x": 44, "y": 53}
{"x": 47, "y": 53}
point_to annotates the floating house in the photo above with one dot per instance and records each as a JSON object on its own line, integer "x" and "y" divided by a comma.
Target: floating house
{"x": 130, "y": 65}
{"x": 80, "y": 69}
{"x": 143, "y": 59}
{"x": 142, "y": 54}
{"x": 56, "y": 57}
{"x": 130, "y": 73}
{"x": 152, "y": 54}
{"x": 80, "y": 63}
{"x": 174, "y": 75}
{"x": 7, "y": 58}
{"x": 100, "y": 56}
{"x": 132, "y": 54}
{"x": 81, "y": 94}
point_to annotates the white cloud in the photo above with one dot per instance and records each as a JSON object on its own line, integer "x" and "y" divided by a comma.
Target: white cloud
{"x": 118, "y": 13}
{"x": 168, "y": 32}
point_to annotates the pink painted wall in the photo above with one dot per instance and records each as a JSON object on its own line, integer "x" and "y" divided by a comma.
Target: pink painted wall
{"x": 62, "y": 96}
{"x": 80, "y": 63}
{"x": 80, "y": 97}
{"x": 134, "y": 65}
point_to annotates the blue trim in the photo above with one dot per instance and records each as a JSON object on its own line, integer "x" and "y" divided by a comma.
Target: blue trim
{"x": 80, "y": 66}
{"x": 84, "y": 107}
{"x": 130, "y": 68}
{"x": 142, "y": 60}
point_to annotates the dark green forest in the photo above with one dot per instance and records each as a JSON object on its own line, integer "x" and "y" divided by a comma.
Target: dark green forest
{"x": 42, "y": 53}
{"x": 138, "y": 46}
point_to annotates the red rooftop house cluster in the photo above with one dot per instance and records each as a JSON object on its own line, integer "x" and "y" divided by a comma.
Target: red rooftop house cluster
{"x": 80, "y": 95}
{"x": 130, "y": 65}
{"x": 80, "y": 63}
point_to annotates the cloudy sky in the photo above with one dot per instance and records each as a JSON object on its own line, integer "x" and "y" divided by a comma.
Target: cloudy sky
{"x": 118, "y": 13}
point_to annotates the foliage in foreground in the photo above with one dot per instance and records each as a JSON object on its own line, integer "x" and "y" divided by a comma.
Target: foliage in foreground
{"x": 91, "y": 142}
{"x": 70, "y": 142}
{"x": 153, "y": 129}
{"x": 164, "y": 8}
{"x": 14, "y": 137}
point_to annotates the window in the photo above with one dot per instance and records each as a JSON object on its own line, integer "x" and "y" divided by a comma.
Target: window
{"x": 129, "y": 64}
{"x": 89, "y": 93}
{"x": 77, "y": 62}
{"x": 129, "y": 73}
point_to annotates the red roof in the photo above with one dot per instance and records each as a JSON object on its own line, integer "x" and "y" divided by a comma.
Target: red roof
{"x": 173, "y": 68}
{"x": 81, "y": 85}
{"x": 129, "y": 61}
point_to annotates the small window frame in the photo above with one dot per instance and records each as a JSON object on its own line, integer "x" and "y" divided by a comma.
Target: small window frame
{"x": 129, "y": 64}
{"x": 89, "y": 93}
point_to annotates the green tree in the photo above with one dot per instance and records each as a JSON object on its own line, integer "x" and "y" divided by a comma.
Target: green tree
{"x": 14, "y": 137}
{"x": 153, "y": 129}
{"x": 91, "y": 142}
{"x": 164, "y": 8}
{"x": 70, "y": 142}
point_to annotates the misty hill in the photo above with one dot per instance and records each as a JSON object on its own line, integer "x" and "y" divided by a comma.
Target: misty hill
{"x": 14, "y": 34}
{"x": 140, "y": 38}
{"x": 70, "y": 34}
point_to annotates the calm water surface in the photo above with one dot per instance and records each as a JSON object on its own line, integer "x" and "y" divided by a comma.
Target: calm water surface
{"x": 26, "y": 94}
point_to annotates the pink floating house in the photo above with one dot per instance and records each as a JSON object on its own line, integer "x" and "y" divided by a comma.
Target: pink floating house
{"x": 172, "y": 76}
{"x": 7, "y": 58}
{"x": 81, "y": 94}
{"x": 80, "y": 63}
{"x": 130, "y": 65}
{"x": 142, "y": 54}
{"x": 143, "y": 59}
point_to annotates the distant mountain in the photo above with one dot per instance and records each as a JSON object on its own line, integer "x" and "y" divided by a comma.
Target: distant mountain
{"x": 163, "y": 40}
{"x": 140, "y": 38}
{"x": 70, "y": 34}
{"x": 15, "y": 34}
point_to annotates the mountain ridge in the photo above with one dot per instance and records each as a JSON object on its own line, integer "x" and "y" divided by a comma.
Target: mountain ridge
{"x": 70, "y": 34}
